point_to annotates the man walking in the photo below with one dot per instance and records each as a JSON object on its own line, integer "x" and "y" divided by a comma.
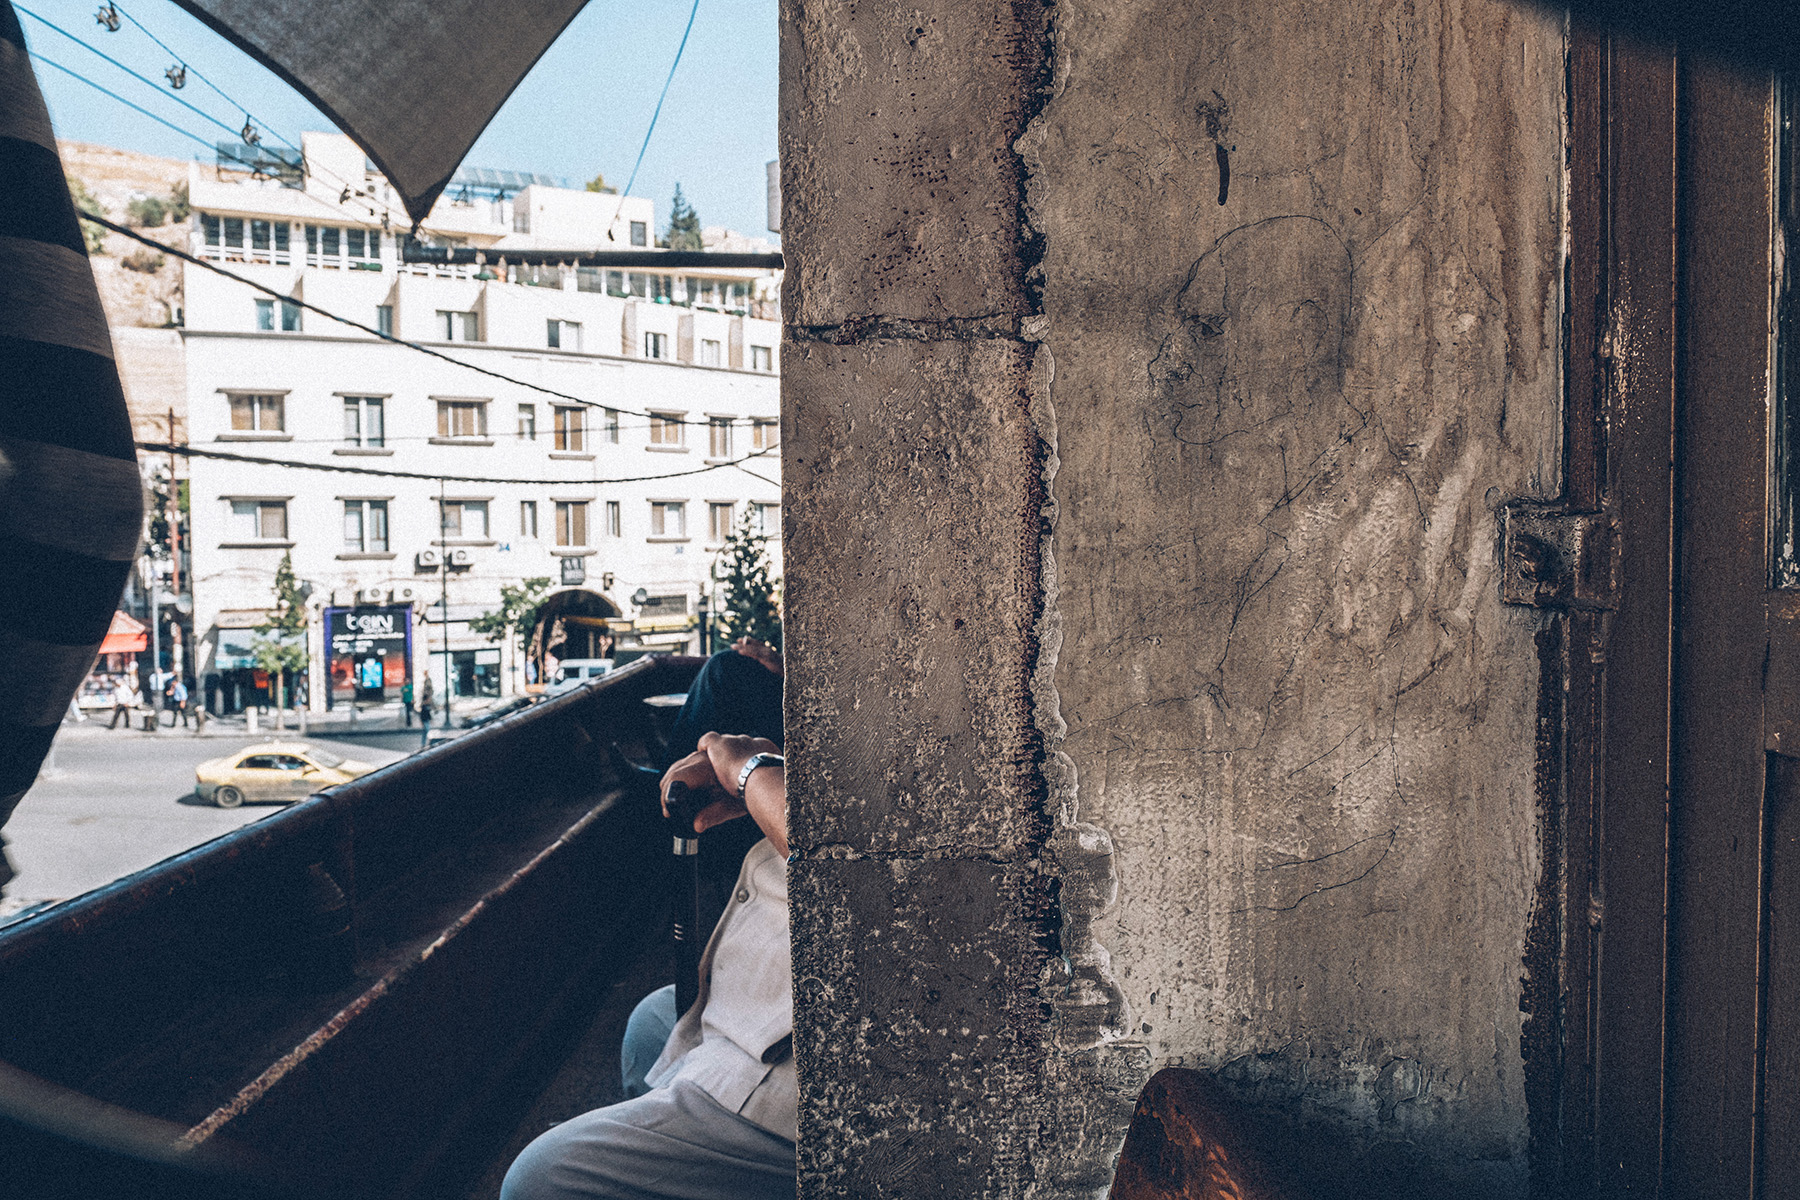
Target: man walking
{"x": 178, "y": 701}
{"x": 125, "y": 700}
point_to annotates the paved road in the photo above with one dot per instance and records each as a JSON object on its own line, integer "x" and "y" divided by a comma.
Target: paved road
{"x": 115, "y": 802}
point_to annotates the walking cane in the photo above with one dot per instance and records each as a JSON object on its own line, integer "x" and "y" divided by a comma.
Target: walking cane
{"x": 684, "y": 804}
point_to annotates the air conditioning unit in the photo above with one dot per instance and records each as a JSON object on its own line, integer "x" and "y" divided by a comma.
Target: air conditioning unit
{"x": 400, "y": 596}
{"x": 460, "y": 558}
{"x": 428, "y": 559}
{"x": 371, "y": 596}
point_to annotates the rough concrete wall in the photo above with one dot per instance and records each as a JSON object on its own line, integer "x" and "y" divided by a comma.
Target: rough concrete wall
{"x": 1070, "y": 440}
{"x": 1301, "y": 268}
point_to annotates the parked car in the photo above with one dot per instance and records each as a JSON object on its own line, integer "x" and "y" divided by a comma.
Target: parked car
{"x": 273, "y": 772}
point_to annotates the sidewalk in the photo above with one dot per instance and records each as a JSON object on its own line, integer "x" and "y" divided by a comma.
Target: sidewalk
{"x": 318, "y": 724}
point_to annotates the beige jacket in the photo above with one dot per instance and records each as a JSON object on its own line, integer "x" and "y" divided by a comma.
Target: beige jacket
{"x": 736, "y": 1042}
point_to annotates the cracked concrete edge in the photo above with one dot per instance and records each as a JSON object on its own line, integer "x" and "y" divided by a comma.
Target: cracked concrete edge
{"x": 1090, "y": 1060}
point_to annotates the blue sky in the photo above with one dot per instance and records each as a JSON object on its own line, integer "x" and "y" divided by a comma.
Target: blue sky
{"x": 583, "y": 109}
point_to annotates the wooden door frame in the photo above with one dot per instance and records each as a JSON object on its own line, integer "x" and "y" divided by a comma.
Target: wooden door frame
{"x": 1659, "y": 313}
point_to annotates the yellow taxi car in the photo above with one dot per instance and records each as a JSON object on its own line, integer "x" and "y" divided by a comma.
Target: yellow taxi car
{"x": 276, "y": 772}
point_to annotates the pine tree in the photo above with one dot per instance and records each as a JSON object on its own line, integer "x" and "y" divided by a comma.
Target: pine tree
{"x": 749, "y": 606}
{"x": 280, "y": 644}
{"x": 684, "y": 224}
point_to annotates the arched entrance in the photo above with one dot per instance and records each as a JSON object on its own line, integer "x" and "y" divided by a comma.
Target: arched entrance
{"x": 572, "y": 624}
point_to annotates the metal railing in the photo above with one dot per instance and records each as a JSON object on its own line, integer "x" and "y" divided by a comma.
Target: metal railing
{"x": 333, "y": 1000}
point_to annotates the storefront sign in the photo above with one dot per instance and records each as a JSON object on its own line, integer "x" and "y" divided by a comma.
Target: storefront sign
{"x": 368, "y": 653}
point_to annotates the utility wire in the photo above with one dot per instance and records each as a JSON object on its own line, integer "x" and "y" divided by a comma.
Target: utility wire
{"x": 136, "y": 108}
{"x": 151, "y": 83}
{"x": 248, "y": 115}
{"x": 189, "y": 451}
{"x": 367, "y": 201}
{"x": 694, "y": 12}
{"x": 386, "y": 337}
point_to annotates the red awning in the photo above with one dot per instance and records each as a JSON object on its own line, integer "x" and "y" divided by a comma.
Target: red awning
{"x": 126, "y": 636}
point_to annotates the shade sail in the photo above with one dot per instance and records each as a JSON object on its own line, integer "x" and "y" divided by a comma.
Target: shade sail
{"x": 127, "y": 635}
{"x": 414, "y": 82}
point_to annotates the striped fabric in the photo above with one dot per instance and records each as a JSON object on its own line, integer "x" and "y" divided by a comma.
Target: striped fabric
{"x": 71, "y": 502}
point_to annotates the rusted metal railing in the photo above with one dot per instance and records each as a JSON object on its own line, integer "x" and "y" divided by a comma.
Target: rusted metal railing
{"x": 342, "y": 999}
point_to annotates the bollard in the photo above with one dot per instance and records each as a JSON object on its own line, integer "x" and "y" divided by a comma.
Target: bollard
{"x": 250, "y": 720}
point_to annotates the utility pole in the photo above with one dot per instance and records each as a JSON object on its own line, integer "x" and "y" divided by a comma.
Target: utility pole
{"x": 444, "y": 600}
{"x": 174, "y": 513}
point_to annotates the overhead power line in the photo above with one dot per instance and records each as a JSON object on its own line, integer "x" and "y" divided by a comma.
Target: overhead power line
{"x": 190, "y": 69}
{"x": 694, "y": 12}
{"x": 50, "y": 62}
{"x": 188, "y": 451}
{"x": 148, "y": 82}
{"x": 386, "y": 337}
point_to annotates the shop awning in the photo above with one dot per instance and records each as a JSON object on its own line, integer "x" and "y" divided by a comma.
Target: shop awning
{"x": 126, "y": 635}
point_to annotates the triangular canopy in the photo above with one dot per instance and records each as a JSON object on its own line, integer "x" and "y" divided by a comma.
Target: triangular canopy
{"x": 413, "y": 81}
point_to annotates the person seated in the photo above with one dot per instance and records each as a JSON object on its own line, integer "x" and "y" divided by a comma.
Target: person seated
{"x": 712, "y": 1096}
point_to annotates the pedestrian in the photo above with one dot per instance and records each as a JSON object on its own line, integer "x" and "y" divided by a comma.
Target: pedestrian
{"x": 178, "y": 700}
{"x": 425, "y": 702}
{"x": 406, "y": 701}
{"x": 125, "y": 699}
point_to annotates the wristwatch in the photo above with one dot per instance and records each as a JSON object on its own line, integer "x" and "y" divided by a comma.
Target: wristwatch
{"x": 750, "y": 765}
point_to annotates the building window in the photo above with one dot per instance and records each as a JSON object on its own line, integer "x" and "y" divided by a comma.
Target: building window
{"x": 258, "y": 521}
{"x": 718, "y": 437}
{"x": 528, "y": 422}
{"x": 266, "y": 316}
{"x": 364, "y": 422}
{"x": 760, "y": 358}
{"x": 638, "y": 284}
{"x": 656, "y": 345}
{"x": 257, "y": 414}
{"x": 666, "y": 429}
{"x": 384, "y": 319}
{"x": 709, "y": 352}
{"x": 459, "y": 326}
{"x": 462, "y": 418}
{"x": 718, "y": 522}
{"x": 365, "y": 526}
{"x": 640, "y": 233}
{"x": 762, "y": 434}
{"x": 612, "y": 426}
{"x": 564, "y": 335}
{"x": 668, "y": 518}
{"x": 571, "y": 523}
{"x": 612, "y": 518}
{"x": 465, "y": 520}
{"x": 570, "y": 429}
{"x": 268, "y": 242}
{"x": 338, "y": 247}
{"x": 766, "y": 519}
{"x": 528, "y": 519}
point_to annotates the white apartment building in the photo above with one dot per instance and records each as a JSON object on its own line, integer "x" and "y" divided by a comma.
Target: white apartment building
{"x": 420, "y": 486}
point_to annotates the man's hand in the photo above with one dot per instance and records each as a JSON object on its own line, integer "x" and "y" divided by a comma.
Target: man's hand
{"x": 761, "y": 651}
{"x": 715, "y": 767}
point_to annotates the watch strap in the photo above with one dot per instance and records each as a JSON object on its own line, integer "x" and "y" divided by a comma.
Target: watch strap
{"x": 750, "y": 765}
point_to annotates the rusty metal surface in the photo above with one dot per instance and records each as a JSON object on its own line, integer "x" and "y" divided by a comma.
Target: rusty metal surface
{"x": 1552, "y": 557}
{"x": 492, "y": 883}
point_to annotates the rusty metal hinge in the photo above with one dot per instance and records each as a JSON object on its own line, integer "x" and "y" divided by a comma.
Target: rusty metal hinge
{"x": 1553, "y": 558}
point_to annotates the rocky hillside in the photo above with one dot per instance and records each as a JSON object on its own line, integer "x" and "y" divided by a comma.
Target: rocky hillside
{"x": 138, "y": 286}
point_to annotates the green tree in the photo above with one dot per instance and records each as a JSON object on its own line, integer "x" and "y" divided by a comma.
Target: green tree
{"x": 280, "y": 643}
{"x": 92, "y": 234}
{"x": 748, "y": 608}
{"x": 598, "y": 184}
{"x": 179, "y": 209}
{"x": 520, "y": 607}
{"x": 684, "y": 225}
